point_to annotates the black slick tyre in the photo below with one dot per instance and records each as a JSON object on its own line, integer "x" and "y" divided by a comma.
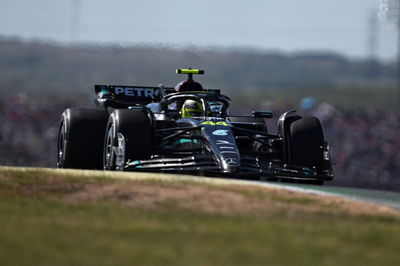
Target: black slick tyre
{"x": 129, "y": 137}
{"x": 306, "y": 141}
{"x": 80, "y": 138}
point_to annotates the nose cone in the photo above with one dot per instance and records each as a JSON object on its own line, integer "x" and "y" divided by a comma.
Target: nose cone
{"x": 223, "y": 145}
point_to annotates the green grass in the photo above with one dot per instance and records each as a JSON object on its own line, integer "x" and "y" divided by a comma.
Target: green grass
{"x": 38, "y": 227}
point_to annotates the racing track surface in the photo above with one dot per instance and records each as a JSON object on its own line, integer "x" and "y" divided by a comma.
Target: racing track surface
{"x": 387, "y": 198}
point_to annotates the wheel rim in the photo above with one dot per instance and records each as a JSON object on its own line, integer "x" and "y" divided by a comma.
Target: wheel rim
{"x": 61, "y": 146}
{"x": 120, "y": 153}
{"x": 108, "y": 149}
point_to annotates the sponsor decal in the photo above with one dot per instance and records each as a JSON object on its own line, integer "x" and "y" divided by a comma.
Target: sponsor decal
{"x": 224, "y": 142}
{"x": 211, "y": 123}
{"x": 228, "y": 151}
{"x": 231, "y": 161}
{"x": 226, "y": 146}
{"x": 138, "y": 92}
{"x": 221, "y": 132}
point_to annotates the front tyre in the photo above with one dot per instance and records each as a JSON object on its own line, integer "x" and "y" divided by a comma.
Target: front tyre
{"x": 129, "y": 137}
{"x": 306, "y": 142}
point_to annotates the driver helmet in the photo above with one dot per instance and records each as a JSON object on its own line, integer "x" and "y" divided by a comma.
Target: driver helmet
{"x": 192, "y": 108}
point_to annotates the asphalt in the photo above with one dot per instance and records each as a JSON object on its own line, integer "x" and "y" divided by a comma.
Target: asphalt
{"x": 387, "y": 198}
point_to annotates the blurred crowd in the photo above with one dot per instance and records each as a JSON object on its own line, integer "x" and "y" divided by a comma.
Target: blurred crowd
{"x": 28, "y": 130}
{"x": 365, "y": 144}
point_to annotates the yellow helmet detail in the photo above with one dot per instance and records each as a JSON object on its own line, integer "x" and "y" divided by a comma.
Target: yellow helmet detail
{"x": 192, "y": 108}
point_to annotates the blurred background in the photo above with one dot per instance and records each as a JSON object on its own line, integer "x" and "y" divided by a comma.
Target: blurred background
{"x": 333, "y": 59}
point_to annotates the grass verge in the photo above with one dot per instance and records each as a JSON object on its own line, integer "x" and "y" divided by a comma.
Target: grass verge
{"x": 52, "y": 217}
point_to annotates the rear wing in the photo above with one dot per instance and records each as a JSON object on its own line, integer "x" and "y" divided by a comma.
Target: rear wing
{"x": 118, "y": 96}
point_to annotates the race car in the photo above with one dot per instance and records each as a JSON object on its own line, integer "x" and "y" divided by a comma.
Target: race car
{"x": 188, "y": 129}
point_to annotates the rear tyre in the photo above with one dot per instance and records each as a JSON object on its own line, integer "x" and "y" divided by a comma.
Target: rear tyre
{"x": 306, "y": 141}
{"x": 80, "y": 138}
{"x": 129, "y": 136}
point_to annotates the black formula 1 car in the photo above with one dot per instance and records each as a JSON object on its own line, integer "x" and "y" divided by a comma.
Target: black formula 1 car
{"x": 187, "y": 129}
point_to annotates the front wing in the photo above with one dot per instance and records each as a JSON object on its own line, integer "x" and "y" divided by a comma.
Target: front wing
{"x": 251, "y": 168}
